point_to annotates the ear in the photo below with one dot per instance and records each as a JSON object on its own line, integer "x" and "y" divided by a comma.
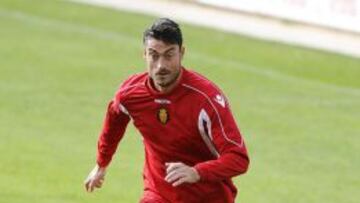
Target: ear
{"x": 182, "y": 51}
{"x": 144, "y": 53}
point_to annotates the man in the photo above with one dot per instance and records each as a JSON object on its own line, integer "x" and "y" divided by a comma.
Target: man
{"x": 193, "y": 146}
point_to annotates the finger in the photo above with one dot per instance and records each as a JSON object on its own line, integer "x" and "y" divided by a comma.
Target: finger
{"x": 96, "y": 182}
{"x": 172, "y": 166}
{"x": 99, "y": 184}
{"x": 91, "y": 186}
{"x": 102, "y": 178}
{"x": 86, "y": 184}
{"x": 175, "y": 176}
{"x": 172, "y": 175}
{"x": 179, "y": 182}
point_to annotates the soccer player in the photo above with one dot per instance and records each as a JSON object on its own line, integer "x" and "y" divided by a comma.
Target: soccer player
{"x": 193, "y": 146}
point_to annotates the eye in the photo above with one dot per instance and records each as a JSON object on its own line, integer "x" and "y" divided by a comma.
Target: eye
{"x": 154, "y": 55}
{"x": 169, "y": 55}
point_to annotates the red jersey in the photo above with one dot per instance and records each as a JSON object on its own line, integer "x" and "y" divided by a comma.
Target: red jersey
{"x": 192, "y": 124}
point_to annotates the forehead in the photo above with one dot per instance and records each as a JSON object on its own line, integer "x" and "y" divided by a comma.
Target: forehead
{"x": 159, "y": 46}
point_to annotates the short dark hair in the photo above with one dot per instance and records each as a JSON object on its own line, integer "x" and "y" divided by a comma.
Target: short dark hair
{"x": 165, "y": 30}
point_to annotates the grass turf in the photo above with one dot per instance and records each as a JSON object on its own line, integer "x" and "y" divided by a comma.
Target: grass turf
{"x": 299, "y": 109}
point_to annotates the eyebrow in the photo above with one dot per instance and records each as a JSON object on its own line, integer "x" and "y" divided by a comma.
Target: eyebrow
{"x": 166, "y": 51}
{"x": 170, "y": 49}
{"x": 152, "y": 50}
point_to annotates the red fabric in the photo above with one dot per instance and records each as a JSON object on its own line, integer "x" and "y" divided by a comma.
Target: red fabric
{"x": 178, "y": 137}
{"x": 152, "y": 197}
{"x": 113, "y": 130}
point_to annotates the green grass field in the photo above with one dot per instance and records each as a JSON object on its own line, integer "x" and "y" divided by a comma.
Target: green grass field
{"x": 60, "y": 63}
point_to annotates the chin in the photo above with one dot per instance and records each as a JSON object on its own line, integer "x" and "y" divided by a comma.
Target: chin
{"x": 163, "y": 84}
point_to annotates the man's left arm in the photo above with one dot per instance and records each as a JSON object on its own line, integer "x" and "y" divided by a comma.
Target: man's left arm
{"x": 224, "y": 139}
{"x": 220, "y": 133}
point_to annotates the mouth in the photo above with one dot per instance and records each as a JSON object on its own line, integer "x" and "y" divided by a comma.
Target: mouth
{"x": 163, "y": 73}
{"x": 161, "y": 78}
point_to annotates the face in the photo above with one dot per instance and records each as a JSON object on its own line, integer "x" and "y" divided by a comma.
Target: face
{"x": 163, "y": 61}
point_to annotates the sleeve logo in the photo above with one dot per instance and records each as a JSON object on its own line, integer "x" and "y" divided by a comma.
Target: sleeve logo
{"x": 220, "y": 100}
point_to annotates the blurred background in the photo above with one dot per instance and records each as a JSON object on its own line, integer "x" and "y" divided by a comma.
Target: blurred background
{"x": 290, "y": 69}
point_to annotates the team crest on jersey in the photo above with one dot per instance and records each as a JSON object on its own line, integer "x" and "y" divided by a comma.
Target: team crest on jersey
{"x": 163, "y": 115}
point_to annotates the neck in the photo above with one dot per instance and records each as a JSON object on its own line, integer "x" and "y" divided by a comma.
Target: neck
{"x": 170, "y": 87}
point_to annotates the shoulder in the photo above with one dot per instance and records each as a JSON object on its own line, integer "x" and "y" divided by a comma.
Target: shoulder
{"x": 132, "y": 83}
{"x": 203, "y": 88}
{"x": 200, "y": 85}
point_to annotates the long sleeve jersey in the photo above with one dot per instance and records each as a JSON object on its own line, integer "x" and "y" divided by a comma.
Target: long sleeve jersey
{"x": 192, "y": 124}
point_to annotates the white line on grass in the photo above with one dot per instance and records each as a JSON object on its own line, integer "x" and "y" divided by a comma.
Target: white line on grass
{"x": 119, "y": 37}
{"x": 276, "y": 75}
{"x": 67, "y": 26}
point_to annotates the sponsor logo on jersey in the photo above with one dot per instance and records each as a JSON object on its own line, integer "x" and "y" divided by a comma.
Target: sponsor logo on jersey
{"x": 163, "y": 115}
{"x": 220, "y": 100}
{"x": 162, "y": 101}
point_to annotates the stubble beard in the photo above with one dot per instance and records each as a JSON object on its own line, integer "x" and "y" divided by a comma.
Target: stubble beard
{"x": 170, "y": 82}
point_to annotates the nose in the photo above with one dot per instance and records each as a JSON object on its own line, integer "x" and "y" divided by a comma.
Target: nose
{"x": 161, "y": 64}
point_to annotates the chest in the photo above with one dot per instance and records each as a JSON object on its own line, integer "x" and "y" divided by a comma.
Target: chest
{"x": 170, "y": 121}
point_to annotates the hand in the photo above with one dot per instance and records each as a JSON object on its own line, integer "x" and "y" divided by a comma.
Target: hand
{"x": 179, "y": 173}
{"x": 95, "y": 179}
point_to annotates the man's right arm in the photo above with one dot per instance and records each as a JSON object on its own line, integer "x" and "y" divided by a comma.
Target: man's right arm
{"x": 113, "y": 130}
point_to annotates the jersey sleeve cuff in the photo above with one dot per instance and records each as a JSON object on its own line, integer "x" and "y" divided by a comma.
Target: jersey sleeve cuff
{"x": 102, "y": 162}
{"x": 202, "y": 171}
